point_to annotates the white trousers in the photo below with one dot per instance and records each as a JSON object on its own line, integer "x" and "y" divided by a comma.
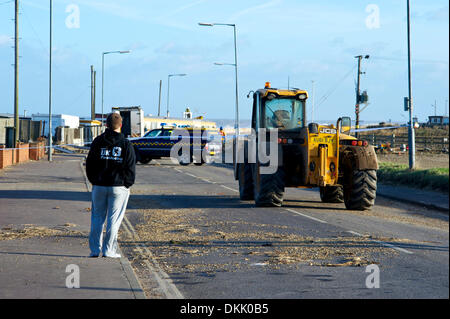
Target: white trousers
{"x": 108, "y": 204}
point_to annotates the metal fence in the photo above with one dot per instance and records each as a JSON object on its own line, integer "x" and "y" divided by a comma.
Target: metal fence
{"x": 423, "y": 143}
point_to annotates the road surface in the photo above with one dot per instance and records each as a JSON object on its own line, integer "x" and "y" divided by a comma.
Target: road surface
{"x": 188, "y": 235}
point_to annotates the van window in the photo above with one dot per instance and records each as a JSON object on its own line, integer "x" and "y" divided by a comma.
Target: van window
{"x": 153, "y": 133}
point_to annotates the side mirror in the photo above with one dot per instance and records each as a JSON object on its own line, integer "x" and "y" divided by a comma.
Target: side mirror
{"x": 346, "y": 124}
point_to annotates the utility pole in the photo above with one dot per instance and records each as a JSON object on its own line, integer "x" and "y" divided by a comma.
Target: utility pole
{"x": 435, "y": 111}
{"x": 92, "y": 93}
{"x": 159, "y": 101}
{"x": 358, "y": 93}
{"x": 50, "y": 137}
{"x": 95, "y": 91}
{"x": 411, "y": 133}
{"x": 16, "y": 75}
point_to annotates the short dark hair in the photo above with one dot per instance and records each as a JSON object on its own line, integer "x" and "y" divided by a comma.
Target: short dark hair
{"x": 114, "y": 121}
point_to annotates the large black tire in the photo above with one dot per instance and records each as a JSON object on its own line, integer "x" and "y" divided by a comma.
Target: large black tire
{"x": 246, "y": 188}
{"x": 268, "y": 188}
{"x": 360, "y": 190}
{"x": 332, "y": 194}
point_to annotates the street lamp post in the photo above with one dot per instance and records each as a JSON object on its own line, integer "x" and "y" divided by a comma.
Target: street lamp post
{"x": 411, "y": 133}
{"x": 103, "y": 72}
{"x": 168, "y": 89}
{"x": 235, "y": 64}
{"x": 50, "y": 136}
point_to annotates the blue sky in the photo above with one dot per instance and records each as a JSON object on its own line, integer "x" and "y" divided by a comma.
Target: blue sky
{"x": 277, "y": 40}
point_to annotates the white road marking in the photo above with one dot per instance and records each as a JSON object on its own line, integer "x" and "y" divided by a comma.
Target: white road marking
{"x": 307, "y": 216}
{"x": 207, "y": 181}
{"x": 229, "y": 188}
{"x": 383, "y": 243}
{"x": 191, "y": 175}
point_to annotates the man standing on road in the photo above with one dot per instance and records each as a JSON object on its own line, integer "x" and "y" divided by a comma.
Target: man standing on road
{"x": 110, "y": 167}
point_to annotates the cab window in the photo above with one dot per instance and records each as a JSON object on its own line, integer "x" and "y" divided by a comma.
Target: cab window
{"x": 284, "y": 113}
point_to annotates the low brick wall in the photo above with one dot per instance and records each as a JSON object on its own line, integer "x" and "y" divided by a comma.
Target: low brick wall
{"x": 6, "y": 156}
{"x": 22, "y": 153}
{"x": 37, "y": 151}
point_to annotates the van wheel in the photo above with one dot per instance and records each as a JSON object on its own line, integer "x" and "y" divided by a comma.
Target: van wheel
{"x": 145, "y": 160}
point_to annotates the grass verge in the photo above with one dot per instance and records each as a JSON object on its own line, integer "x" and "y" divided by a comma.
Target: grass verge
{"x": 435, "y": 178}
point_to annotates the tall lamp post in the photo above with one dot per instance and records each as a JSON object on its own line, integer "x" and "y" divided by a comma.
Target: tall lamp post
{"x": 103, "y": 72}
{"x": 235, "y": 68}
{"x": 168, "y": 89}
{"x": 411, "y": 133}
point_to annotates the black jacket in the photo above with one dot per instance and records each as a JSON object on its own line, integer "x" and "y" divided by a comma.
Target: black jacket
{"x": 111, "y": 160}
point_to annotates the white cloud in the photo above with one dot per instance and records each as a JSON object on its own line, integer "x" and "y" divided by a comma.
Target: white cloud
{"x": 183, "y": 8}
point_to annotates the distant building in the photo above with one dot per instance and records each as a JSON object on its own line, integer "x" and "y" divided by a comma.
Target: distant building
{"x": 11, "y": 116}
{"x": 70, "y": 121}
{"x": 437, "y": 120}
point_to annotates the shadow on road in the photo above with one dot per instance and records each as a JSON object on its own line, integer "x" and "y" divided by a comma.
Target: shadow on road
{"x": 44, "y": 194}
{"x": 41, "y": 254}
{"x": 177, "y": 201}
{"x": 186, "y": 201}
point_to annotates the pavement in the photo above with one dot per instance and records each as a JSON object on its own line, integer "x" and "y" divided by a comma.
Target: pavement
{"x": 44, "y": 228}
{"x": 426, "y": 198}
